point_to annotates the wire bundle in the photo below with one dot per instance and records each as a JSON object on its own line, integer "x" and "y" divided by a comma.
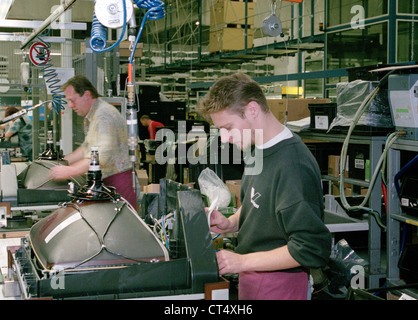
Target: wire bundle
{"x": 161, "y": 227}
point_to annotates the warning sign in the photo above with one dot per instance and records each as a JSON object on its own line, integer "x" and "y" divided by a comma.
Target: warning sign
{"x": 39, "y": 53}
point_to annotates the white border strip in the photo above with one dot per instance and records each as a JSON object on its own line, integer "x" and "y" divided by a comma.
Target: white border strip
{"x": 62, "y": 226}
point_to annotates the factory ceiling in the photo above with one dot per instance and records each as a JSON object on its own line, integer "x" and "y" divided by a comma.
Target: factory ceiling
{"x": 82, "y": 10}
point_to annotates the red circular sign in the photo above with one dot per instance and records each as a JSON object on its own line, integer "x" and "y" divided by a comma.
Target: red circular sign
{"x": 39, "y": 53}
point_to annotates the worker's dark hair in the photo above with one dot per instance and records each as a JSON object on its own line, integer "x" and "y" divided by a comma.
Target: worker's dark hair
{"x": 81, "y": 84}
{"x": 145, "y": 117}
{"x": 10, "y": 110}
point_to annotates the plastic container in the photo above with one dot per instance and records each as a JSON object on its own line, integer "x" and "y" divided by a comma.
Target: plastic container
{"x": 322, "y": 115}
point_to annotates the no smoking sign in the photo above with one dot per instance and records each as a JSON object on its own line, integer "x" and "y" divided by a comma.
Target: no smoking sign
{"x": 39, "y": 53}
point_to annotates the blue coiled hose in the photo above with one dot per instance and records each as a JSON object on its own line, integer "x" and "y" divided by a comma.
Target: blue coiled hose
{"x": 155, "y": 10}
{"x": 99, "y": 33}
{"x": 51, "y": 78}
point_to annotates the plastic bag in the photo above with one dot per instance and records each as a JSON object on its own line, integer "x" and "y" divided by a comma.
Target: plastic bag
{"x": 344, "y": 264}
{"x": 214, "y": 188}
{"x": 350, "y": 96}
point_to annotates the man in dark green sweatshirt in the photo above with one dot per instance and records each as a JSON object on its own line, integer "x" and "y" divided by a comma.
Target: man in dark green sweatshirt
{"x": 280, "y": 226}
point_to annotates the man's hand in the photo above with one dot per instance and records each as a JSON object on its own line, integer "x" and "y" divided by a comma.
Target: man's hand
{"x": 229, "y": 262}
{"x": 219, "y": 223}
{"x": 60, "y": 172}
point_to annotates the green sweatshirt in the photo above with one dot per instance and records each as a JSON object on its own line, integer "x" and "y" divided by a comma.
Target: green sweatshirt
{"x": 284, "y": 205}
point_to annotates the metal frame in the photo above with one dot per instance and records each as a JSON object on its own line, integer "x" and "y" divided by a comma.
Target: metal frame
{"x": 297, "y": 42}
{"x": 54, "y": 16}
{"x": 395, "y": 216}
{"x": 376, "y": 144}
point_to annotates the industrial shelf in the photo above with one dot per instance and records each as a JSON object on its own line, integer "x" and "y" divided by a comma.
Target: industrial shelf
{"x": 376, "y": 144}
{"x": 405, "y": 218}
{"x": 395, "y": 215}
{"x": 412, "y": 292}
{"x": 355, "y": 182}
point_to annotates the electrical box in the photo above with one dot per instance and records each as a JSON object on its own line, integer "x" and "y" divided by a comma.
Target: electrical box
{"x": 409, "y": 195}
{"x": 403, "y": 97}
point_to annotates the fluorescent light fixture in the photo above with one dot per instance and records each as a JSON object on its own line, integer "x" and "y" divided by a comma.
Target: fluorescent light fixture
{"x": 4, "y": 8}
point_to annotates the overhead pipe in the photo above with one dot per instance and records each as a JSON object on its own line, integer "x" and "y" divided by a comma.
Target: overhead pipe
{"x": 54, "y": 16}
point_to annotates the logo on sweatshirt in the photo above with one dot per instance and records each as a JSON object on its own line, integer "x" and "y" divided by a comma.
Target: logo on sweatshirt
{"x": 254, "y": 197}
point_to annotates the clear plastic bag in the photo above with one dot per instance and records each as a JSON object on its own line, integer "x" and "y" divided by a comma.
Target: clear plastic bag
{"x": 344, "y": 264}
{"x": 214, "y": 188}
{"x": 350, "y": 96}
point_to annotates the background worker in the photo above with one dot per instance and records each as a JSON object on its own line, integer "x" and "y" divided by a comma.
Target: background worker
{"x": 280, "y": 222}
{"x": 105, "y": 128}
{"x": 21, "y": 126}
{"x": 152, "y": 125}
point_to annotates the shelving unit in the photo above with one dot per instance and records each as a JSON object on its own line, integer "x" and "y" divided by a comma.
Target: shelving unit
{"x": 395, "y": 215}
{"x": 376, "y": 144}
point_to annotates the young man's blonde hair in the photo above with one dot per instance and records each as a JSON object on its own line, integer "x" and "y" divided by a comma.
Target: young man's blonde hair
{"x": 233, "y": 92}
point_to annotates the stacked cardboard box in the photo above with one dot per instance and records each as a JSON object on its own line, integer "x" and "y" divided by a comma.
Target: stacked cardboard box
{"x": 142, "y": 177}
{"x": 334, "y": 171}
{"x": 232, "y": 25}
{"x": 234, "y": 186}
{"x": 124, "y": 50}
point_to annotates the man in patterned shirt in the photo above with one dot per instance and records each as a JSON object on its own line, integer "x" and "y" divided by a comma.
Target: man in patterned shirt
{"x": 23, "y": 128}
{"x": 105, "y": 128}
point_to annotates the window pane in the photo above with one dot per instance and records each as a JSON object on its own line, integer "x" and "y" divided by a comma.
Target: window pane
{"x": 375, "y": 8}
{"x": 407, "y": 41}
{"x": 340, "y": 11}
{"x": 357, "y": 47}
{"x": 313, "y": 87}
{"x": 407, "y": 6}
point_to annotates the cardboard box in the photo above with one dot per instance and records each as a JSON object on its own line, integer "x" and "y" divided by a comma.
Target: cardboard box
{"x": 124, "y": 49}
{"x": 149, "y": 157}
{"x": 297, "y": 109}
{"x": 234, "y": 186}
{"x": 334, "y": 166}
{"x": 335, "y": 189}
{"x": 152, "y": 188}
{"x": 230, "y": 39}
{"x": 231, "y": 12}
{"x": 142, "y": 178}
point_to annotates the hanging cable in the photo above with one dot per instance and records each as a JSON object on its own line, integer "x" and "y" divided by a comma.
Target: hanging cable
{"x": 155, "y": 11}
{"x": 390, "y": 140}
